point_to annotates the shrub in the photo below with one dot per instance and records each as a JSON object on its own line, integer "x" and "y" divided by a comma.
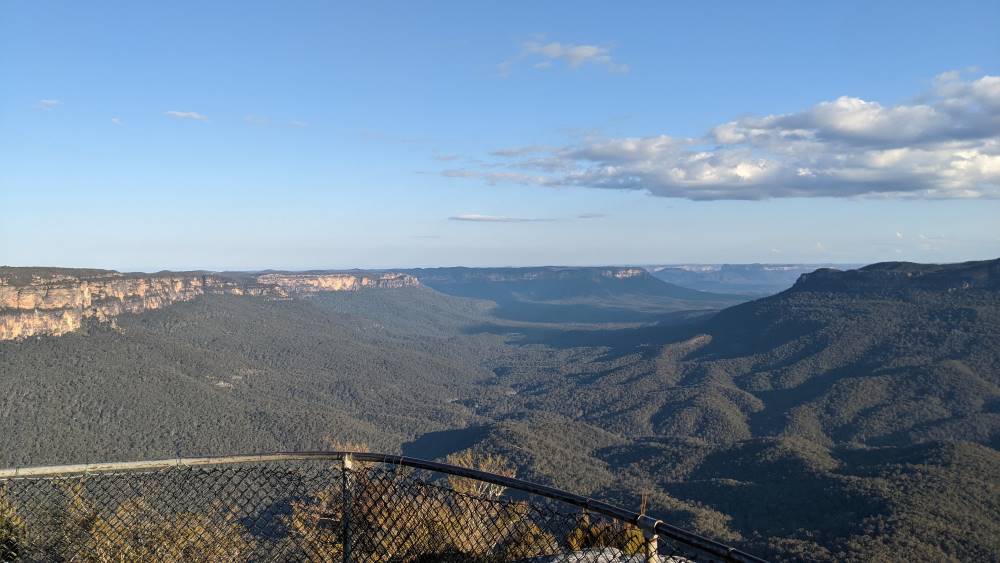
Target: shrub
{"x": 527, "y": 540}
{"x": 629, "y": 539}
{"x": 138, "y": 532}
{"x": 11, "y": 532}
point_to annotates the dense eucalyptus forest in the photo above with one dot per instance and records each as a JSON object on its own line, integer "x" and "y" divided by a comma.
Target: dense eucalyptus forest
{"x": 855, "y": 416}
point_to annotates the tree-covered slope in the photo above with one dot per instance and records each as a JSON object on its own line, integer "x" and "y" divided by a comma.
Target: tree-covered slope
{"x": 223, "y": 374}
{"x": 844, "y": 419}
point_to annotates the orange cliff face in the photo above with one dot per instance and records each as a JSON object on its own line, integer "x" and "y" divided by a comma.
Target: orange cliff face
{"x": 58, "y": 304}
{"x": 51, "y": 302}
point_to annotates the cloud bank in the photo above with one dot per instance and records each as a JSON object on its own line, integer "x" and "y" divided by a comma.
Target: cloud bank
{"x": 945, "y": 144}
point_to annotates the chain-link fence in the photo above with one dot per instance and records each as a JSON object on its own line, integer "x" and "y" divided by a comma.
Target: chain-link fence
{"x": 316, "y": 507}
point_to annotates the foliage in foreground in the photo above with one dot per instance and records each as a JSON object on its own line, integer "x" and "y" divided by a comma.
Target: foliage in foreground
{"x": 384, "y": 516}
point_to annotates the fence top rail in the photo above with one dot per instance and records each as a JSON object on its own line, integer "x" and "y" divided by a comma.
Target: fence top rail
{"x": 642, "y": 521}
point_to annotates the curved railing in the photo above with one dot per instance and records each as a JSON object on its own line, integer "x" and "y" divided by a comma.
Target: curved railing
{"x": 324, "y": 506}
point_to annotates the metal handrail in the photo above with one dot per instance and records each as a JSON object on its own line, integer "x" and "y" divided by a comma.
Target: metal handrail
{"x": 642, "y": 521}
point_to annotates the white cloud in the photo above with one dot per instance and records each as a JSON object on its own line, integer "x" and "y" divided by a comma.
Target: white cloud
{"x": 543, "y": 55}
{"x": 899, "y": 235}
{"x": 298, "y": 124}
{"x": 193, "y": 115}
{"x": 47, "y": 104}
{"x": 946, "y": 145}
{"x": 116, "y": 121}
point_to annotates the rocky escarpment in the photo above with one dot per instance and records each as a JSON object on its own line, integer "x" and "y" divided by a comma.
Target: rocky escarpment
{"x": 312, "y": 283}
{"x": 513, "y": 275}
{"x": 50, "y": 301}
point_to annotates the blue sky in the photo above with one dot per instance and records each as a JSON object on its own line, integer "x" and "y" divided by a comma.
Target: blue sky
{"x": 229, "y": 135}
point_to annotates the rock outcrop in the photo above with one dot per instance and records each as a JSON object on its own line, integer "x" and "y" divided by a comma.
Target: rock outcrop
{"x": 312, "y": 283}
{"x": 53, "y": 302}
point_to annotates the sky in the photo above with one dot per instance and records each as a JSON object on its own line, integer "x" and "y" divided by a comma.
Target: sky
{"x": 294, "y": 135}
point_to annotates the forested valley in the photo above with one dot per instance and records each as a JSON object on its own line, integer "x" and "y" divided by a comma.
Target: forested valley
{"x": 855, "y": 416}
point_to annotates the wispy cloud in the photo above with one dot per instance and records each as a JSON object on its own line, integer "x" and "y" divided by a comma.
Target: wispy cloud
{"x": 545, "y": 54}
{"x": 521, "y": 151}
{"x": 946, "y": 145}
{"x": 192, "y": 115}
{"x": 480, "y": 218}
{"x": 47, "y": 104}
{"x": 116, "y": 120}
{"x": 495, "y": 177}
{"x": 477, "y": 218}
{"x": 263, "y": 120}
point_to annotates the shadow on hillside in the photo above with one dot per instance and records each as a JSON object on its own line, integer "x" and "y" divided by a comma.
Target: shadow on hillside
{"x": 434, "y": 445}
{"x": 620, "y": 341}
{"x": 529, "y": 311}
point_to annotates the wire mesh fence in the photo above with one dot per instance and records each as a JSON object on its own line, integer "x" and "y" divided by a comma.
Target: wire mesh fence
{"x": 306, "y": 510}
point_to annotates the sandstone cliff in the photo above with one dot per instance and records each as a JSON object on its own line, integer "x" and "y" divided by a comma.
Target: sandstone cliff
{"x": 37, "y": 301}
{"x": 311, "y": 283}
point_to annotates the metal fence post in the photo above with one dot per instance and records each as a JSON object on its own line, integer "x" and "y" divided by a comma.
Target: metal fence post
{"x": 345, "y": 494}
{"x": 652, "y": 550}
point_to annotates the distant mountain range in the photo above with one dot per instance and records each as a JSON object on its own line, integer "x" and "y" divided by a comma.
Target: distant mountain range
{"x": 571, "y": 294}
{"x": 742, "y": 279}
{"x": 55, "y": 301}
